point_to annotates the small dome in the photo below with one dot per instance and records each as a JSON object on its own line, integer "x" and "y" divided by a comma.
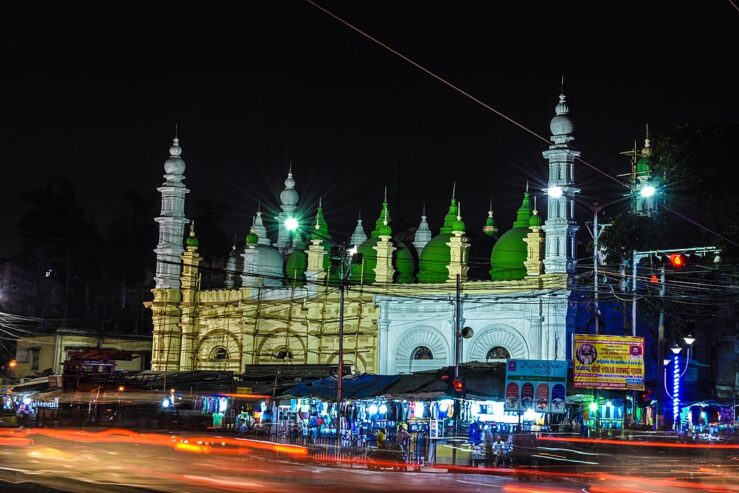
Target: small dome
{"x": 642, "y": 166}
{"x": 535, "y": 220}
{"x": 561, "y": 125}
{"x": 404, "y": 263}
{"x": 289, "y": 196}
{"x": 252, "y": 238}
{"x": 490, "y": 229}
{"x": 175, "y": 165}
{"x": 191, "y": 241}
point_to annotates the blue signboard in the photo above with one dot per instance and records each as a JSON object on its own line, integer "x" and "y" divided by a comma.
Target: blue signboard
{"x": 538, "y": 385}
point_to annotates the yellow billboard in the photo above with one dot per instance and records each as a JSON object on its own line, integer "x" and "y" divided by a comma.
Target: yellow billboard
{"x": 608, "y": 362}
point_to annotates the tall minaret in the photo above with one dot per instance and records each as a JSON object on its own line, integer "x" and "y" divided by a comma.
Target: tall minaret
{"x": 171, "y": 221}
{"x": 560, "y": 226}
{"x": 289, "y": 201}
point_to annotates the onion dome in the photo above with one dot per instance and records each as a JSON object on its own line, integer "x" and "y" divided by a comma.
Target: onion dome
{"x": 436, "y": 255}
{"x": 535, "y": 221}
{"x": 458, "y": 225}
{"x": 175, "y": 165}
{"x": 252, "y": 238}
{"x": 297, "y": 262}
{"x": 358, "y": 236}
{"x": 561, "y": 125}
{"x": 510, "y": 251}
{"x": 289, "y": 196}
{"x": 192, "y": 241}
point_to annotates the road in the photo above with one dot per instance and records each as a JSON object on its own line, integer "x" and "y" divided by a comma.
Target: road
{"x": 124, "y": 461}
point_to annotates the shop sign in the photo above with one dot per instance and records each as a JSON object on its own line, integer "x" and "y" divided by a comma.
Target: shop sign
{"x": 243, "y": 390}
{"x": 535, "y": 384}
{"x": 608, "y": 362}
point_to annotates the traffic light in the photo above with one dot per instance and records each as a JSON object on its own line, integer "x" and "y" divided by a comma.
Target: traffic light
{"x": 677, "y": 260}
{"x": 458, "y": 385}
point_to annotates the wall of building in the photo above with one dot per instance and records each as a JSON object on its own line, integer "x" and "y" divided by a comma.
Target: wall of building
{"x": 54, "y": 349}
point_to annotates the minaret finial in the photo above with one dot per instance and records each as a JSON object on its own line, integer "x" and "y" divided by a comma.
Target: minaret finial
{"x": 385, "y": 221}
{"x": 320, "y": 201}
{"x": 176, "y": 136}
{"x": 290, "y": 167}
{"x": 423, "y": 210}
{"x": 459, "y": 211}
{"x": 259, "y": 207}
{"x": 359, "y": 215}
{"x": 491, "y": 204}
{"x": 454, "y": 190}
{"x": 562, "y": 85}
{"x": 385, "y": 193}
{"x": 534, "y": 204}
{"x": 192, "y": 228}
{"x": 527, "y": 185}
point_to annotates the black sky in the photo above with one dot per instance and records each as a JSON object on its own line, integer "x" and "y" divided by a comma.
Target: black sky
{"x": 91, "y": 92}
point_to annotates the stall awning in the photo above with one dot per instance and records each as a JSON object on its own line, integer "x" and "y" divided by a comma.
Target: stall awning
{"x": 354, "y": 387}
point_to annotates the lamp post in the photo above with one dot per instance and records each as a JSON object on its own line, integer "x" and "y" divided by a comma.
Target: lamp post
{"x": 677, "y": 375}
{"x": 292, "y": 224}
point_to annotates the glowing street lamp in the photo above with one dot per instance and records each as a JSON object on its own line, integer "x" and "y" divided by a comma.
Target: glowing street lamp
{"x": 647, "y": 191}
{"x": 689, "y": 339}
{"x": 676, "y": 348}
{"x": 291, "y": 224}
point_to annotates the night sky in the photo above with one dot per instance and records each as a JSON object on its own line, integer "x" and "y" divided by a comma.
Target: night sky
{"x": 91, "y": 93}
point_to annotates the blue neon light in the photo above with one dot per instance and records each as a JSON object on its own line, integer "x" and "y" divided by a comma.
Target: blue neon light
{"x": 676, "y": 392}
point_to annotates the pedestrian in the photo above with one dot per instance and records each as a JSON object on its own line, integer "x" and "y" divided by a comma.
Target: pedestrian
{"x": 498, "y": 449}
{"x": 402, "y": 437}
{"x": 487, "y": 436}
{"x": 380, "y": 438}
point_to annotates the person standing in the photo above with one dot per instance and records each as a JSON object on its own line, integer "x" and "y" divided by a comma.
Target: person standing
{"x": 487, "y": 436}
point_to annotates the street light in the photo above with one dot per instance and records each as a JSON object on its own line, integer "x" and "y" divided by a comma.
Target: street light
{"x": 677, "y": 375}
{"x": 689, "y": 339}
{"x": 676, "y": 348}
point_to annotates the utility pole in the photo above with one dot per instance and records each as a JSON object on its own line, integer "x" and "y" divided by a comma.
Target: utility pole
{"x": 457, "y": 328}
{"x": 661, "y": 350}
{"x": 339, "y": 382}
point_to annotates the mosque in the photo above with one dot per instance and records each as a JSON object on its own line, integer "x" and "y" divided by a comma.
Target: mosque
{"x": 282, "y": 300}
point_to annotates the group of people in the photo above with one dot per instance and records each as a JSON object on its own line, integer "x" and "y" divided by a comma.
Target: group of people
{"x": 497, "y": 452}
{"x": 402, "y": 437}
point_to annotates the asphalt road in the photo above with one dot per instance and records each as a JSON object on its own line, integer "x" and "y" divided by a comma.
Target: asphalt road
{"x": 84, "y": 463}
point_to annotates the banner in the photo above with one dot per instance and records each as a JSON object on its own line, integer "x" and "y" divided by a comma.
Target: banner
{"x": 608, "y": 362}
{"x": 535, "y": 384}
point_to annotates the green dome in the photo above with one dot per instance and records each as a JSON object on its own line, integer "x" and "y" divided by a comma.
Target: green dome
{"x": 295, "y": 267}
{"x": 535, "y": 220}
{"x": 435, "y": 258}
{"x": 403, "y": 259}
{"x": 510, "y": 251}
{"x": 252, "y": 238}
{"x": 192, "y": 241}
{"x": 405, "y": 264}
{"x": 490, "y": 229}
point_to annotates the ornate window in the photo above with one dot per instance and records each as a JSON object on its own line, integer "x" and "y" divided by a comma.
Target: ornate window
{"x": 498, "y": 352}
{"x": 282, "y": 353}
{"x": 422, "y": 352}
{"x": 219, "y": 354}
